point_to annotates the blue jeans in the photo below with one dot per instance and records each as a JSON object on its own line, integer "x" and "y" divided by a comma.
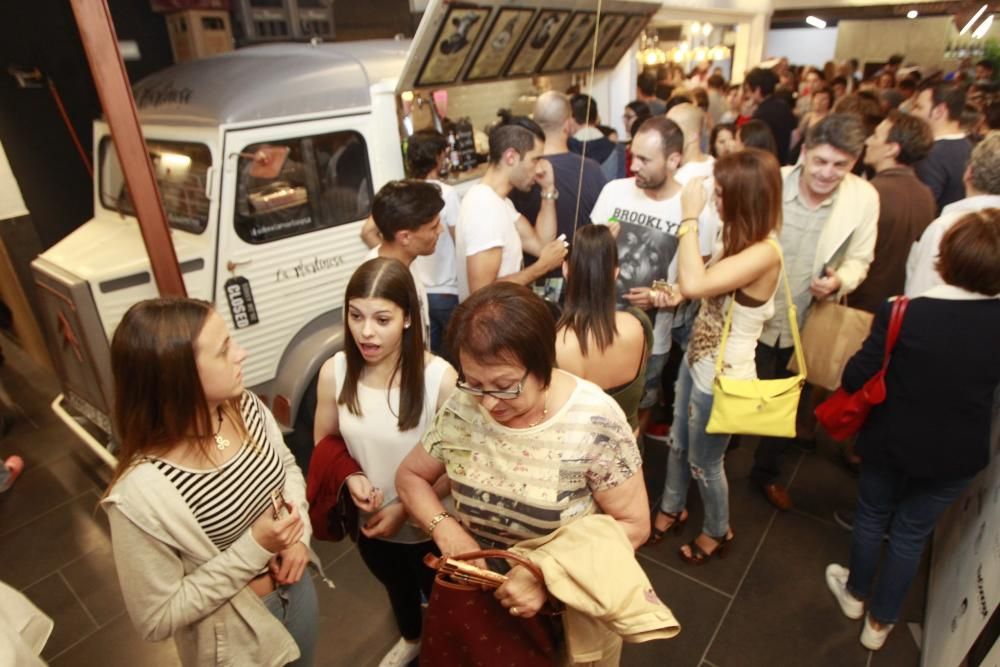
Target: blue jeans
{"x": 694, "y": 453}
{"x": 651, "y": 390}
{"x": 909, "y": 508}
{"x": 441, "y": 307}
{"x": 298, "y": 610}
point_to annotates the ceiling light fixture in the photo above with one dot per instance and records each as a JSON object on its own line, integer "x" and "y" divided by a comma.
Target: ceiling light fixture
{"x": 973, "y": 20}
{"x": 912, "y": 14}
{"x": 983, "y": 27}
{"x": 816, "y": 22}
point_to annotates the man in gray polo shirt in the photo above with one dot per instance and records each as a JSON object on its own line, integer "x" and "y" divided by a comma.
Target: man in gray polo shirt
{"x": 830, "y": 220}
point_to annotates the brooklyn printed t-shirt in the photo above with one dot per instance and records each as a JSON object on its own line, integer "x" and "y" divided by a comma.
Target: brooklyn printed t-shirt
{"x": 510, "y": 484}
{"x": 647, "y": 243}
{"x": 485, "y": 221}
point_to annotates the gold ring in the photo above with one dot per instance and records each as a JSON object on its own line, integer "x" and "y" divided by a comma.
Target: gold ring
{"x": 513, "y": 611}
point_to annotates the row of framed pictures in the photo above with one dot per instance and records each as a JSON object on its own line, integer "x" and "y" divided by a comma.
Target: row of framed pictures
{"x": 524, "y": 41}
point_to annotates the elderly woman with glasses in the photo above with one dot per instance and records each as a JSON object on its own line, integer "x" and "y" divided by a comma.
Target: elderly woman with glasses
{"x": 527, "y": 448}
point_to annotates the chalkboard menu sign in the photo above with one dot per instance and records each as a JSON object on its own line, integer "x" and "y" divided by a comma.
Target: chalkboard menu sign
{"x": 465, "y": 145}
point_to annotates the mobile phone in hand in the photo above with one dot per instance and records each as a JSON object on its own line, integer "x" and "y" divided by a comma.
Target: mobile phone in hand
{"x": 277, "y": 503}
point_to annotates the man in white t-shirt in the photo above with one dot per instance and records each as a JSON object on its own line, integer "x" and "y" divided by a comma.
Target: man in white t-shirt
{"x": 408, "y": 216}
{"x": 492, "y": 236}
{"x": 425, "y": 154}
{"x": 645, "y": 213}
{"x": 694, "y": 161}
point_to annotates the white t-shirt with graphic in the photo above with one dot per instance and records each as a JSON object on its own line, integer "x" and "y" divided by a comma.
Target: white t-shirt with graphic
{"x": 438, "y": 270}
{"x": 647, "y": 242}
{"x": 485, "y": 221}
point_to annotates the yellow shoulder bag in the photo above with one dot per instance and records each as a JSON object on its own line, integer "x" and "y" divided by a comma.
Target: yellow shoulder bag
{"x": 758, "y": 407}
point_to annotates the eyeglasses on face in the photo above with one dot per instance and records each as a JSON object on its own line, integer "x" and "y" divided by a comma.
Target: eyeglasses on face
{"x": 502, "y": 394}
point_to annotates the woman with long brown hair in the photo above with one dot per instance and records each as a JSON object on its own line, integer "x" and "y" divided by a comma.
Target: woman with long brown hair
{"x": 741, "y": 279}
{"x": 593, "y": 340}
{"x": 207, "y": 506}
{"x": 380, "y": 394}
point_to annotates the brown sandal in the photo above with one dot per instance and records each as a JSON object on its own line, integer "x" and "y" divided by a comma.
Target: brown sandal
{"x": 699, "y": 556}
{"x": 678, "y": 519}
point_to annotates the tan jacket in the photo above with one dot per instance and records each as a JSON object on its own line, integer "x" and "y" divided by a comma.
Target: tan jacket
{"x": 176, "y": 583}
{"x": 590, "y": 566}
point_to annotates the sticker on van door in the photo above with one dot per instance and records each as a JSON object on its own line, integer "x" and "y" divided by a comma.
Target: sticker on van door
{"x": 241, "y": 305}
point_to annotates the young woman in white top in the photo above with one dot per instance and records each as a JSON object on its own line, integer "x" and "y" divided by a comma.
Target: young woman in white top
{"x": 207, "y": 506}
{"x": 745, "y": 271}
{"x": 380, "y": 394}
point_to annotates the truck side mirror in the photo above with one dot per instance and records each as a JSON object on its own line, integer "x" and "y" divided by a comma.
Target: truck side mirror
{"x": 267, "y": 161}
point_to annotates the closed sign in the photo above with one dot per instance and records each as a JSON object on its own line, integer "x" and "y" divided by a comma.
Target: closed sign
{"x": 241, "y": 305}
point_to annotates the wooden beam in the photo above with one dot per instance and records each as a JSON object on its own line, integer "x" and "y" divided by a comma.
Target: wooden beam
{"x": 101, "y": 46}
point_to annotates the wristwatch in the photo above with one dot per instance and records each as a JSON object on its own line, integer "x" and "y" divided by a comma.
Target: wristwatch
{"x": 551, "y": 194}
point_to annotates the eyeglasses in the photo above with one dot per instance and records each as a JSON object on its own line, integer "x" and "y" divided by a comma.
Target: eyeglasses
{"x": 502, "y": 394}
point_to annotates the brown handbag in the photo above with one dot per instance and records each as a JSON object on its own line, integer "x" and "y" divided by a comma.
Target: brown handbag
{"x": 465, "y": 626}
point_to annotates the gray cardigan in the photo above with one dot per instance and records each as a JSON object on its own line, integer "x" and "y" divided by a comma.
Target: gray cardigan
{"x": 176, "y": 583}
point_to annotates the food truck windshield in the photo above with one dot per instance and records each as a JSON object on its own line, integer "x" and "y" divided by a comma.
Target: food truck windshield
{"x": 181, "y": 170}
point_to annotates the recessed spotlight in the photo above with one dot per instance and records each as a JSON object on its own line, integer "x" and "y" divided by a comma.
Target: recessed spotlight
{"x": 816, "y": 22}
{"x": 912, "y": 14}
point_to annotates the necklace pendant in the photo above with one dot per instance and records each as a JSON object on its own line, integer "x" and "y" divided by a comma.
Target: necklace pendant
{"x": 220, "y": 442}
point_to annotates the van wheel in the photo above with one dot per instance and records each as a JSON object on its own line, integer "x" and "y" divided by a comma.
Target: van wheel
{"x": 300, "y": 440}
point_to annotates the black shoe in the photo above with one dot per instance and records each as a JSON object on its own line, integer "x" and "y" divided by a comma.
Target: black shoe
{"x": 844, "y": 519}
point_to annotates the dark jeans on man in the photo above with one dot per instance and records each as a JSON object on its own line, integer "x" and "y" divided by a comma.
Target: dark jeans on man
{"x": 441, "y": 307}
{"x": 772, "y": 364}
{"x": 908, "y": 509}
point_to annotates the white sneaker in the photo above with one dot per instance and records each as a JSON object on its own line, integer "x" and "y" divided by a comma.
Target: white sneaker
{"x": 871, "y": 638}
{"x": 401, "y": 654}
{"x": 836, "y": 581}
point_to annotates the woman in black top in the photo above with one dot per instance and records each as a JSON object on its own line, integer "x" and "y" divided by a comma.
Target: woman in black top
{"x": 922, "y": 447}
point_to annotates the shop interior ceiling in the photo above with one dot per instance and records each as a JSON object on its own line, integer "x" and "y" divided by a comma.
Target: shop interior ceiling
{"x": 473, "y": 42}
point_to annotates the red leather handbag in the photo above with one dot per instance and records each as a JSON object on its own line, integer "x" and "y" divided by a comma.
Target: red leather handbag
{"x": 465, "y": 626}
{"x": 843, "y": 414}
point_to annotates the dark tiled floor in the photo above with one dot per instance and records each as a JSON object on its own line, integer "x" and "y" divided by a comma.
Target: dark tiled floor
{"x": 764, "y": 604}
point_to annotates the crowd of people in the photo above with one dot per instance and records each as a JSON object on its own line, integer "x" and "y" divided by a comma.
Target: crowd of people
{"x": 507, "y": 351}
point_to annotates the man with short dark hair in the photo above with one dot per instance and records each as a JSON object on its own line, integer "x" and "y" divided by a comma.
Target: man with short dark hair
{"x": 941, "y": 105}
{"x": 587, "y": 139}
{"x": 407, "y": 214}
{"x": 492, "y": 236}
{"x": 982, "y": 188}
{"x": 645, "y": 85}
{"x": 984, "y": 71}
{"x": 906, "y": 206}
{"x": 716, "y": 98}
{"x": 829, "y": 224}
{"x": 426, "y": 152}
{"x": 771, "y": 109}
{"x": 645, "y": 214}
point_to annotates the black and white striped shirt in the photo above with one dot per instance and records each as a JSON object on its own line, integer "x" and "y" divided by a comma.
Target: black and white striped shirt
{"x": 227, "y": 500}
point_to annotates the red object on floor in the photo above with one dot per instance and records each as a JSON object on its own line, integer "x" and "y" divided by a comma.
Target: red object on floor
{"x": 658, "y": 430}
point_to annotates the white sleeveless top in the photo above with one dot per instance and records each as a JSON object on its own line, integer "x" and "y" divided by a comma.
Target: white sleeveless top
{"x": 741, "y": 346}
{"x": 374, "y": 439}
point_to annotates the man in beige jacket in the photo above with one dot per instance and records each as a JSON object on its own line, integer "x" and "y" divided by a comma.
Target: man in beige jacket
{"x": 830, "y": 221}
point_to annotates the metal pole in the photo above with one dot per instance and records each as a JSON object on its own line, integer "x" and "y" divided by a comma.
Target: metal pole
{"x": 101, "y": 46}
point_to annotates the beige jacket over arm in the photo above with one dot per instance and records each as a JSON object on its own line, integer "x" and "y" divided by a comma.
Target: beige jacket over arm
{"x": 175, "y": 581}
{"x": 854, "y": 220}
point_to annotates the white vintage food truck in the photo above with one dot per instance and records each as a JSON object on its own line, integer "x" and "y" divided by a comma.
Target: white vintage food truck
{"x": 267, "y": 159}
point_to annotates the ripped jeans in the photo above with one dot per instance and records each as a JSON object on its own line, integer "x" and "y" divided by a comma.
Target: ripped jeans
{"x": 694, "y": 453}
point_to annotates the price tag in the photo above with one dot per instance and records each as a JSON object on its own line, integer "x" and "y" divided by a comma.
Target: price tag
{"x": 241, "y": 305}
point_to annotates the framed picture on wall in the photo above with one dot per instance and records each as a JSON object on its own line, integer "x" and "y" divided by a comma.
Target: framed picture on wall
{"x": 608, "y": 29}
{"x": 544, "y": 32}
{"x": 579, "y": 34}
{"x": 452, "y": 46}
{"x": 620, "y": 44}
{"x": 504, "y": 35}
